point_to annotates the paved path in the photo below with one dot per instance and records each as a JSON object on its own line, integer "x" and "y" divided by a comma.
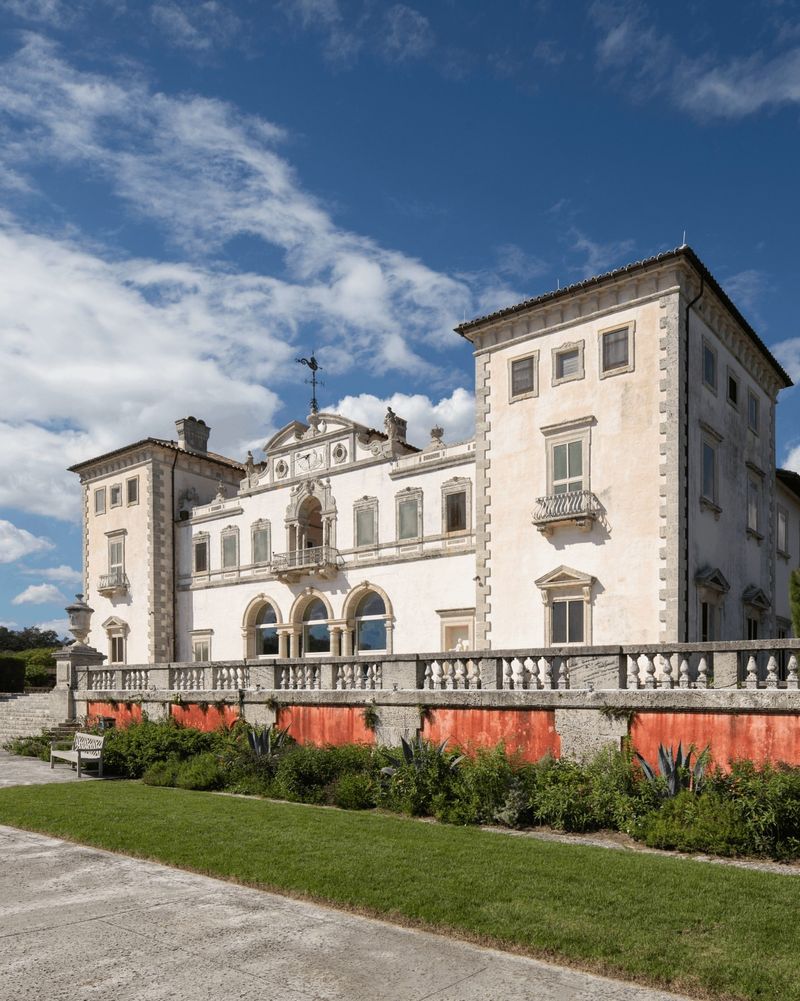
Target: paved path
{"x": 77, "y": 924}
{"x": 18, "y": 771}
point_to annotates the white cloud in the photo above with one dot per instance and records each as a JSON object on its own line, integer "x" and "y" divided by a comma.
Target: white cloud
{"x": 8, "y": 624}
{"x": 60, "y": 626}
{"x": 18, "y": 542}
{"x": 38, "y": 594}
{"x": 455, "y": 413}
{"x": 408, "y": 34}
{"x": 598, "y": 257}
{"x": 207, "y": 339}
{"x": 747, "y": 289}
{"x": 63, "y": 574}
{"x": 199, "y": 27}
{"x": 740, "y": 86}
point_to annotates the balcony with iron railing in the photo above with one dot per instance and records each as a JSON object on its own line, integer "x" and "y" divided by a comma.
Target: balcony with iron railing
{"x": 319, "y": 561}
{"x": 576, "y": 507}
{"x": 113, "y": 583}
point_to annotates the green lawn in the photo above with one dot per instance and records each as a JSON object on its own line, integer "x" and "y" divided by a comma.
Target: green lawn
{"x": 703, "y": 929}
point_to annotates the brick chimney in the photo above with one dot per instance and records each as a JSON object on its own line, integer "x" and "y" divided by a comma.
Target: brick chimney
{"x": 193, "y": 434}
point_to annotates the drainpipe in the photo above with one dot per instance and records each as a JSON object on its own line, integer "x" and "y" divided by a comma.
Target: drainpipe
{"x": 689, "y": 306}
{"x": 174, "y": 561}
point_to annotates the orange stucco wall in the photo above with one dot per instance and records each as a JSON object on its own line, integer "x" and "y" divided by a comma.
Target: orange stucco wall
{"x": 204, "y": 717}
{"x": 123, "y": 713}
{"x": 530, "y": 733}
{"x": 758, "y": 736}
{"x": 322, "y": 725}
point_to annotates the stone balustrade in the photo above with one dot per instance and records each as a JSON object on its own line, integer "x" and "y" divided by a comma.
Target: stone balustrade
{"x": 759, "y": 664}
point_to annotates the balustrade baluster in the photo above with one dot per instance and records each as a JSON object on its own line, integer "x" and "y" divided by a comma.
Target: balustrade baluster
{"x": 650, "y": 671}
{"x": 460, "y": 675}
{"x": 683, "y": 673}
{"x": 633, "y": 672}
{"x": 563, "y": 673}
{"x": 791, "y": 673}
{"x": 772, "y": 672}
{"x": 752, "y": 673}
{"x": 665, "y": 681}
{"x": 546, "y": 671}
{"x": 339, "y": 684}
{"x": 507, "y": 683}
{"x": 517, "y": 673}
{"x": 436, "y": 676}
{"x": 702, "y": 673}
{"x": 473, "y": 675}
{"x": 530, "y": 673}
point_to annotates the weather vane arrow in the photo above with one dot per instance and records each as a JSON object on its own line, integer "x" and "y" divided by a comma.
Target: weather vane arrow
{"x": 315, "y": 367}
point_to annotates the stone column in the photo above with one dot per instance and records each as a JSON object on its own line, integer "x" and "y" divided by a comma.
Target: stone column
{"x": 336, "y": 640}
{"x": 347, "y": 643}
{"x": 283, "y": 643}
{"x": 70, "y": 663}
{"x": 294, "y": 643}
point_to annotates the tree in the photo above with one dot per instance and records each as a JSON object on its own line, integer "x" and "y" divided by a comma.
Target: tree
{"x": 794, "y": 600}
{"x": 30, "y": 638}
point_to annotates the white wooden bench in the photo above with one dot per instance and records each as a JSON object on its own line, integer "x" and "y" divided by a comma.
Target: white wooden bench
{"x": 87, "y": 748}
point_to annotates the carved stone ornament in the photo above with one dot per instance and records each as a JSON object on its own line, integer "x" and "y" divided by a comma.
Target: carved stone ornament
{"x": 437, "y": 435}
{"x": 339, "y": 453}
{"x": 220, "y": 497}
{"x": 281, "y": 468}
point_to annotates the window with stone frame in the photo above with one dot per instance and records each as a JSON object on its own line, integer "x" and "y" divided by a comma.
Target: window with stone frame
{"x": 709, "y": 366}
{"x": 365, "y": 522}
{"x": 567, "y": 361}
{"x": 710, "y": 478}
{"x": 753, "y": 505}
{"x": 115, "y": 495}
{"x": 200, "y": 552}
{"x": 116, "y": 557}
{"x": 408, "y": 510}
{"x": 733, "y": 390}
{"x": 457, "y": 506}
{"x": 523, "y": 376}
{"x": 132, "y": 490}
{"x": 782, "y": 531}
{"x": 616, "y": 350}
{"x": 100, "y": 500}
{"x": 230, "y": 548}
{"x": 261, "y": 542}
{"x": 567, "y": 597}
{"x": 753, "y": 411}
{"x": 116, "y": 649}
{"x": 201, "y": 646}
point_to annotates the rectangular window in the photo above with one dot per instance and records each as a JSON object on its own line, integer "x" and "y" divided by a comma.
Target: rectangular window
{"x": 365, "y": 526}
{"x": 709, "y": 472}
{"x": 523, "y": 376}
{"x": 568, "y": 467}
{"x": 733, "y": 390}
{"x": 132, "y": 486}
{"x": 260, "y": 545}
{"x": 568, "y": 364}
{"x": 408, "y": 518}
{"x": 615, "y": 353}
{"x": 116, "y": 557}
{"x": 567, "y": 621}
{"x": 752, "y": 411}
{"x": 783, "y": 532}
{"x": 456, "y": 512}
{"x": 708, "y": 622}
{"x": 753, "y": 504}
{"x": 752, "y": 628}
{"x": 100, "y": 500}
{"x": 201, "y": 650}
{"x": 117, "y": 651}
{"x": 230, "y": 551}
{"x": 200, "y": 555}
{"x": 709, "y": 366}
{"x": 115, "y": 495}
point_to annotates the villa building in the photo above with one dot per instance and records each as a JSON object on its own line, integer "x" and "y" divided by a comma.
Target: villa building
{"x": 620, "y": 489}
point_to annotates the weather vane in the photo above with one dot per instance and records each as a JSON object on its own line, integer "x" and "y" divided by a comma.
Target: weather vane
{"x": 315, "y": 367}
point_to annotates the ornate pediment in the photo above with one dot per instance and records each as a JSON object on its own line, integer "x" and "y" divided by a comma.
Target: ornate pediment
{"x": 114, "y": 624}
{"x": 564, "y": 576}
{"x": 713, "y": 578}
{"x": 320, "y": 427}
{"x": 756, "y": 598}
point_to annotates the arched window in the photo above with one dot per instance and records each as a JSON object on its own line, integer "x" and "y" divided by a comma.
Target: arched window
{"x": 266, "y": 632}
{"x": 370, "y": 623}
{"x": 316, "y": 634}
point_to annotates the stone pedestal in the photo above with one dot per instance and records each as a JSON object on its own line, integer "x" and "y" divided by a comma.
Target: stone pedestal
{"x": 70, "y": 662}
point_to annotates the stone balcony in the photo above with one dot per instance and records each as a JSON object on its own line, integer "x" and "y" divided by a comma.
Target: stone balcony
{"x": 113, "y": 584}
{"x": 319, "y": 561}
{"x": 578, "y": 507}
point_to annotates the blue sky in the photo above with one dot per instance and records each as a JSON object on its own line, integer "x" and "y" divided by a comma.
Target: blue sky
{"x": 192, "y": 192}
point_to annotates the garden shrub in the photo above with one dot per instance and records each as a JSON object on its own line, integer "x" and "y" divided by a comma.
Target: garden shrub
{"x": 37, "y": 746}
{"x": 355, "y": 791}
{"x": 203, "y": 771}
{"x": 478, "y": 789}
{"x": 129, "y": 751}
{"x": 708, "y": 823}
{"x": 421, "y": 780}
{"x": 162, "y": 773}
{"x": 769, "y": 799}
{"x": 304, "y": 773}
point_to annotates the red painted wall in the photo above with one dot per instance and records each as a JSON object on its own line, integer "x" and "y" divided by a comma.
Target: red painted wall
{"x": 531, "y": 733}
{"x": 123, "y": 713}
{"x": 204, "y": 717}
{"x": 322, "y": 725}
{"x": 758, "y": 736}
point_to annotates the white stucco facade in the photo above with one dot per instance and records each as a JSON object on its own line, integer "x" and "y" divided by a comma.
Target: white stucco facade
{"x": 620, "y": 489}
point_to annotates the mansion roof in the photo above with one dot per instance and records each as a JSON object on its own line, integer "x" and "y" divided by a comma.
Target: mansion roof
{"x": 214, "y": 457}
{"x": 685, "y": 252}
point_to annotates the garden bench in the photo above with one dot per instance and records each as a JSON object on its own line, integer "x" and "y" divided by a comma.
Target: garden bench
{"x": 87, "y": 748}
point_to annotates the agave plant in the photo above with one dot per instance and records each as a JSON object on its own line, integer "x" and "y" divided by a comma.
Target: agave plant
{"x": 267, "y": 742}
{"x": 675, "y": 770}
{"x": 420, "y": 754}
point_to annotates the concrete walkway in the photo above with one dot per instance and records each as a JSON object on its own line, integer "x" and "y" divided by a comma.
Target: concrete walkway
{"x": 18, "y": 771}
{"x": 77, "y": 924}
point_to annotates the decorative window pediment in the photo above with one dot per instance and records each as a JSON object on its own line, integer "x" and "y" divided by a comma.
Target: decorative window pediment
{"x": 756, "y": 598}
{"x": 564, "y": 576}
{"x": 712, "y": 578}
{"x": 114, "y": 624}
